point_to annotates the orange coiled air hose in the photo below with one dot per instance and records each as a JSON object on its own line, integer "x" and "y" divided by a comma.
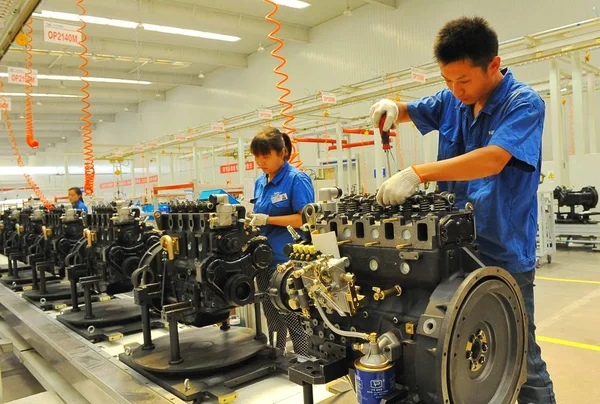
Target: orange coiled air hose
{"x": 88, "y": 150}
{"x": 294, "y": 160}
{"x": 13, "y": 143}
{"x": 29, "y": 137}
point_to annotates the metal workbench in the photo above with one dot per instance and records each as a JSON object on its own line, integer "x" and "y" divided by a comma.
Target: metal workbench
{"x": 75, "y": 369}
{"x": 79, "y": 371}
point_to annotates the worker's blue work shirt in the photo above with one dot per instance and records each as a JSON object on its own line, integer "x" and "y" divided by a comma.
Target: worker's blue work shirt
{"x": 287, "y": 193}
{"x": 505, "y": 204}
{"x": 79, "y": 205}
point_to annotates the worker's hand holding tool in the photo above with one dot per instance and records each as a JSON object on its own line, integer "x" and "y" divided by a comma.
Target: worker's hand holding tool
{"x": 400, "y": 186}
{"x": 258, "y": 219}
{"x": 387, "y": 108}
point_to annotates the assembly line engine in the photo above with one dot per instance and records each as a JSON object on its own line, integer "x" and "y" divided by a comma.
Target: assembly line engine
{"x": 8, "y": 227}
{"x": 206, "y": 260}
{"x": 46, "y": 230}
{"x": 71, "y": 232}
{"x": 405, "y": 303}
{"x": 26, "y": 230}
{"x": 100, "y": 265}
{"x": 587, "y": 198}
{"x": 203, "y": 267}
{"x": 117, "y": 238}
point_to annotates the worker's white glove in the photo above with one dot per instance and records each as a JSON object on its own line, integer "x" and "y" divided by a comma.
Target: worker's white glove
{"x": 387, "y": 107}
{"x": 400, "y": 186}
{"x": 258, "y": 219}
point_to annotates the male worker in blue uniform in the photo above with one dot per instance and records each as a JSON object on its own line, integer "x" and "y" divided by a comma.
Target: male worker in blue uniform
{"x": 490, "y": 145}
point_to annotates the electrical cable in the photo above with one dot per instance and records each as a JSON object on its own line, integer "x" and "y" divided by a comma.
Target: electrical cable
{"x": 29, "y": 133}
{"x": 88, "y": 149}
{"x": 13, "y": 143}
{"x": 294, "y": 155}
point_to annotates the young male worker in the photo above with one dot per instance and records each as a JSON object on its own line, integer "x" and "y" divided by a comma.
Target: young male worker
{"x": 490, "y": 145}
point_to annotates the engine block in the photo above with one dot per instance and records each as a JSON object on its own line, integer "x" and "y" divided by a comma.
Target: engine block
{"x": 116, "y": 241}
{"x": 206, "y": 261}
{"x": 392, "y": 296}
{"x": 587, "y": 198}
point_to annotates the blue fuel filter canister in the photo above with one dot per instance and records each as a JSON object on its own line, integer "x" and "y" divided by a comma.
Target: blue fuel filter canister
{"x": 373, "y": 383}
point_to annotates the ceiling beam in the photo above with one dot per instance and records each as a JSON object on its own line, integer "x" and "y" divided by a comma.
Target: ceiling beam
{"x": 48, "y": 136}
{"x": 71, "y": 107}
{"x": 112, "y": 47}
{"x": 128, "y": 95}
{"x": 586, "y": 66}
{"x": 386, "y": 3}
{"x": 180, "y": 15}
{"x": 19, "y": 125}
{"x": 155, "y": 78}
{"x": 73, "y": 118}
{"x": 27, "y": 151}
{"x": 15, "y": 18}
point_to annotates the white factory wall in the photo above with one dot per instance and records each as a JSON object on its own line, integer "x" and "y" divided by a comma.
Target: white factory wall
{"x": 345, "y": 50}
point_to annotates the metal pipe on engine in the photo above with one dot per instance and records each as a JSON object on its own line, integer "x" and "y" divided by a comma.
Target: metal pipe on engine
{"x": 333, "y": 328}
{"x": 89, "y": 235}
{"x": 167, "y": 244}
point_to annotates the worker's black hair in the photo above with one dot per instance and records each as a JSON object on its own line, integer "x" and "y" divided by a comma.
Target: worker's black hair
{"x": 271, "y": 139}
{"x": 78, "y": 192}
{"x": 466, "y": 38}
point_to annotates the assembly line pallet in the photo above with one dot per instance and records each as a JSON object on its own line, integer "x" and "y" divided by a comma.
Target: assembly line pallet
{"x": 85, "y": 370}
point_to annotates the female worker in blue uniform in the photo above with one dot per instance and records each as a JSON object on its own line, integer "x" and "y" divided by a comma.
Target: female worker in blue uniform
{"x": 76, "y": 199}
{"x": 490, "y": 145}
{"x": 280, "y": 194}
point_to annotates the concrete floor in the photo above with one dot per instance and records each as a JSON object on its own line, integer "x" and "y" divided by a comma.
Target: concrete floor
{"x": 17, "y": 382}
{"x": 568, "y": 321}
{"x": 566, "y": 313}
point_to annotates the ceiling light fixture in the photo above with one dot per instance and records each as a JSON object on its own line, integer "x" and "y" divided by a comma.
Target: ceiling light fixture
{"x": 38, "y": 103}
{"x": 41, "y": 95}
{"x": 126, "y": 109}
{"x": 63, "y": 138}
{"x": 55, "y": 15}
{"x": 190, "y": 32}
{"x": 348, "y": 12}
{"x": 158, "y": 94}
{"x": 292, "y": 3}
{"x": 133, "y": 25}
{"x": 100, "y": 120}
{"x": 260, "y": 48}
{"x": 21, "y": 116}
{"x": 201, "y": 75}
{"x": 90, "y": 79}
